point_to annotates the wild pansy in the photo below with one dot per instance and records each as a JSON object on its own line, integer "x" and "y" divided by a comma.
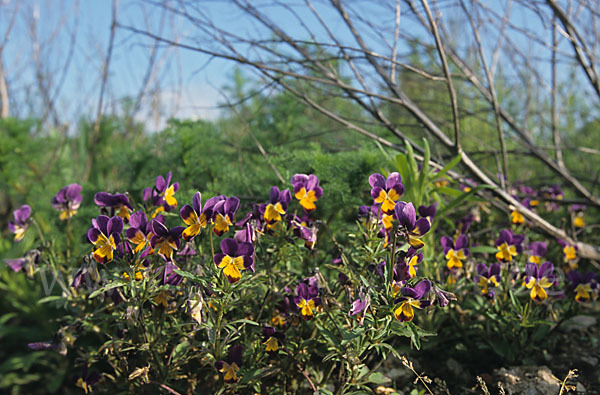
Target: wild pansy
{"x": 466, "y": 185}
{"x": 28, "y": 263}
{"x": 223, "y": 212}
{"x": 428, "y": 211}
{"x": 457, "y": 252}
{"x": 194, "y": 217}
{"x": 359, "y": 306}
{"x": 67, "y": 201}
{"x": 307, "y": 299}
{"x": 386, "y": 192}
{"x": 165, "y": 240}
{"x": 21, "y": 222}
{"x": 412, "y": 228}
{"x": 162, "y": 194}
{"x": 168, "y": 275}
{"x": 538, "y": 279}
{"x": 232, "y": 364}
{"x": 509, "y": 245}
{"x": 105, "y": 235}
{"x": 407, "y": 264}
{"x": 277, "y": 206}
{"x": 234, "y": 258}
{"x": 87, "y": 379}
{"x": 578, "y": 211}
{"x": 307, "y": 190}
{"x": 115, "y": 204}
{"x": 516, "y": 217}
{"x": 272, "y": 337}
{"x": 582, "y": 285}
{"x": 411, "y": 298}
{"x": 305, "y": 230}
{"x": 488, "y": 277}
{"x": 140, "y": 231}
{"x": 538, "y": 250}
{"x": 569, "y": 253}
{"x": 551, "y": 193}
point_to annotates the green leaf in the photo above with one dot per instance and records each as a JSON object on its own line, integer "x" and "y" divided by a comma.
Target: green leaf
{"x": 50, "y": 298}
{"x": 483, "y": 250}
{"x": 378, "y": 378}
{"x": 448, "y": 167}
{"x": 107, "y": 287}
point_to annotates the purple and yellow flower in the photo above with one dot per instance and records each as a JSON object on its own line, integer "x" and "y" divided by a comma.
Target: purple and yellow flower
{"x": 538, "y": 249}
{"x": 28, "y": 263}
{"x": 457, "y": 252}
{"x": 235, "y": 258}
{"x": 538, "y": 279}
{"x": 488, "y": 277}
{"x": 411, "y": 298}
{"x": 386, "y": 192}
{"x": 21, "y": 222}
{"x": 140, "y": 231}
{"x": 67, "y": 201}
{"x": 307, "y": 300}
{"x": 272, "y": 338}
{"x": 116, "y": 204}
{"x": 232, "y": 364}
{"x": 582, "y": 285}
{"x": 168, "y": 275}
{"x": 278, "y": 203}
{"x": 509, "y": 245}
{"x": 194, "y": 217}
{"x": 428, "y": 211}
{"x": 105, "y": 235}
{"x": 578, "y": 211}
{"x": 359, "y": 306}
{"x": 307, "y": 190}
{"x": 516, "y": 217}
{"x": 551, "y": 193}
{"x": 569, "y": 253}
{"x": 223, "y": 212}
{"x": 407, "y": 265}
{"x": 87, "y": 379}
{"x": 165, "y": 240}
{"x": 162, "y": 194}
{"x": 413, "y": 229}
{"x": 305, "y": 230}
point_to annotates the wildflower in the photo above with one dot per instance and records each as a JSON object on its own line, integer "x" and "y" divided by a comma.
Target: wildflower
{"x": 162, "y": 194}
{"x": 67, "y": 201}
{"x": 168, "y": 274}
{"x": 21, "y": 222}
{"x": 570, "y": 253}
{"x": 411, "y": 298}
{"x": 538, "y": 279}
{"x": 140, "y": 231}
{"x": 116, "y": 204}
{"x": 105, "y": 234}
{"x": 223, "y": 212}
{"x": 466, "y": 185}
{"x": 88, "y": 272}
{"x": 234, "y": 258}
{"x": 28, "y": 263}
{"x": 550, "y": 194}
{"x": 232, "y": 364}
{"x": 578, "y": 211}
{"x": 516, "y": 217}
{"x": 407, "y": 267}
{"x": 194, "y": 217}
{"x": 538, "y": 250}
{"x": 457, "y": 252}
{"x": 165, "y": 240}
{"x": 487, "y": 278}
{"x": 307, "y": 190}
{"x": 86, "y": 380}
{"x": 277, "y": 206}
{"x": 359, "y": 306}
{"x": 305, "y": 231}
{"x": 413, "y": 229}
{"x": 509, "y": 245}
{"x": 307, "y": 299}
{"x": 272, "y": 337}
{"x": 582, "y": 285}
{"x": 441, "y": 297}
{"x": 386, "y": 192}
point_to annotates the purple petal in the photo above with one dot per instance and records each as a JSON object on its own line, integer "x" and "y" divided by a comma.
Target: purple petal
{"x": 447, "y": 243}
{"x": 406, "y": 215}
{"x": 376, "y": 180}
{"x": 115, "y": 225}
{"x": 93, "y": 235}
{"x": 229, "y": 247}
{"x": 197, "y": 203}
{"x": 462, "y": 242}
{"x": 422, "y": 226}
{"x": 161, "y": 184}
{"x": 422, "y": 288}
{"x": 274, "y": 195}
{"x": 16, "y": 264}
{"x": 101, "y": 223}
{"x": 159, "y": 229}
{"x": 231, "y": 206}
{"x": 393, "y": 181}
{"x": 22, "y": 214}
{"x": 138, "y": 220}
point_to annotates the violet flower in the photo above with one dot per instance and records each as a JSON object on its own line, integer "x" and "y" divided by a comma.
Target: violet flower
{"x": 194, "y": 217}
{"x": 67, "y": 201}
{"x": 538, "y": 279}
{"x": 307, "y": 299}
{"x": 234, "y": 258}
{"x": 457, "y": 252}
{"x": 116, "y": 204}
{"x": 105, "y": 234}
{"x": 386, "y": 192}
{"x": 232, "y": 364}
{"x": 165, "y": 240}
{"x": 488, "y": 277}
{"x": 509, "y": 245}
{"x": 412, "y": 228}
{"x": 278, "y": 204}
{"x": 21, "y": 222}
{"x": 411, "y": 298}
{"x": 538, "y": 250}
{"x": 307, "y": 190}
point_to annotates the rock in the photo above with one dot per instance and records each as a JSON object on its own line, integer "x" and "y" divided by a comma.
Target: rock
{"x": 578, "y": 323}
{"x": 529, "y": 380}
